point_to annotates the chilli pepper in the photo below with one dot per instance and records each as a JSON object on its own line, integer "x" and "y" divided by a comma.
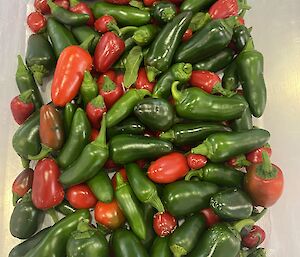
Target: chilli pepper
{"x": 57, "y": 237}
{"x": 125, "y": 15}
{"x": 87, "y": 241}
{"x": 187, "y": 35}
{"x": 178, "y": 72}
{"x": 22, "y": 106}
{"x": 230, "y": 79}
{"x": 220, "y": 147}
{"x": 260, "y": 252}
{"x": 196, "y": 5}
{"x": 209, "y": 40}
{"x": 168, "y": 168}
{"x": 95, "y": 110}
{"x": 102, "y": 187}
{"x": 160, "y": 247}
{"x": 254, "y": 237}
{"x": 125, "y": 244}
{"x": 25, "y": 219}
{"x": 238, "y": 161}
{"x": 149, "y": 2}
{"x": 108, "y": 50}
{"x": 255, "y": 156}
{"x": 185, "y": 197}
{"x": 47, "y": 192}
{"x": 40, "y": 57}
{"x": 94, "y": 134}
{"x": 210, "y": 217}
{"x": 114, "y": 178}
{"x": 164, "y": 224}
{"x": 130, "y": 207}
{"x": 81, "y": 197}
{"x": 81, "y": 33}
{"x": 42, "y": 6}
{"x": 88, "y": 89}
{"x": 25, "y": 82}
{"x": 163, "y": 12}
{"x": 162, "y": 50}
{"x": 82, "y": 8}
{"x": 142, "y": 81}
{"x": 199, "y": 20}
{"x": 264, "y": 182}
{"x": 148, "y": 213}
{"x": 185, "y": 237}
{"x": 144, "y": 189}
{"x": 216, "y": 62}
{"x": 106, "y": 23}
{"x": 231, "y": 204}
{"x": 36, "y": 22}
{"x": 21, "y": 185}
{"x": 144, "y": 35}
{"x": 195, "y": 104}
{"x": 69, "y": 73}
{"x": 191, "y": 133}
{"x": 218, "y": 174}
{"x": 89, "y": 162}
{"x": 130, "y": 126}
{"x": 241, "y": 35}
{"x": 129, "y": 148}
{"x": 65, "y": 208}
{"x": 65, "y": 4}
{"x": 196, "y": 161}
{"x": 77, "y": 139}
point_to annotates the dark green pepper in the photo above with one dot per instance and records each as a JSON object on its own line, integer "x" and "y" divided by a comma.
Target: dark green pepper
{"x": 220, "y": 147}
{"x": 156, "y": 114}
{"x": 89, "y": 162}
{"x": 216, "y": 62}
{"x": 65, "y": 208}
{"x": 196, "y": 5}
{"x": 25, "y": 82}
{"x": 241, "y": 36}
{"x": 125, "y": 15}
{"x": 164, "y": 12}
{"x": 130, "y": 207}
{"x": 83, "y": 32}
{"x": 144, "y": 35}
{"x": 218, "y": 174}
{"x": 129, "y": 148}
{"x": 87, "y": 241}
{"x": 195, "y": 104}
{"x": 129, "y": 126}
{"x": 69, "y": 112}
{"x": 184, "y": 197}
{"x": 78, "y": 138}
{"x": 162, "y": 50}
{"x": 102, "y": 187}
{"x": 178, "y": 72}
{"x": 60, "y": 36}
{"x": 230, "y": 79}
{"x": 160, "y": 247}
{"x": 40, "y": 57}
{"x": 126, "y": 244}
{"x": 56, "y": 239}
{"x": 148, "y": 212}
{"x": 208, "y": 41}
{"x": 89, "y": 88}
{"x": 231, "y": 204}
{"x": 184, "y": 238}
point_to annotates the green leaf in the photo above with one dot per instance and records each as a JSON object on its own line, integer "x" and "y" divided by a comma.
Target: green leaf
{"x": 132, "y": 65}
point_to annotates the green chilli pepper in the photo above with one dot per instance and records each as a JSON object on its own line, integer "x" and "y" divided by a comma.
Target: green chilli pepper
{"x": 196, "y": 5}
{"x": 162, "y": 50}
{"x": 129, "y": 148}
{"x": 65, "y": 208}
{"x": 230, "y": 79}
{"x": 218, "y": 174}
{"x": 69, "y": 112}
{"x": 241, "y": 36}
{"x": 148, "y": 212}
{"x": 221, "y": 146}
{"x": 77, "y": 140}
{"x": 130, "y": 207}
{"x": 83, "y": 32}
{"x": 129, "y": 126}
{"x": 89, "y": 88}
{"x": 184, "y": 238}
{"x": 40, "y": 57}
{"x": 160, "y": 247}
{"x": 144, "y": 35}
{"x": 89, "y": 162}
{"x": 164, "y": 12}
{"x": 185, "y": 197}
{"x": 56, "y": 239}
{"x": 178, "y": 72}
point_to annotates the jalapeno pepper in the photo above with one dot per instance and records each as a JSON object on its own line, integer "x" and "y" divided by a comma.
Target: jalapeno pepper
{"x": 220, "y": 147}
{"x": 230, "y": 79}
{"x": 88, "y": 88}
{"x": 83, "y": 32}
{"x": 196, "y": 5}
{"x": 82, "y": 8}
{"x": 240, "y": 37}
{"x": 40, "y": 57}
{"x": 65, "y": 208}
{"x": 162, "y": 50}
{"x": 144, "y": 35}
{"x": 164, "y": 12}
{"x": 148, "y": 213}
{"x": 69, "y": 112}
{"x": 128, "y": 126}
{"x": 160, "y": 247}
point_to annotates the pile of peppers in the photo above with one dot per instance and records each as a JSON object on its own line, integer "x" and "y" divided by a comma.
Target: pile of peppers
{"x": 147, "y": 146}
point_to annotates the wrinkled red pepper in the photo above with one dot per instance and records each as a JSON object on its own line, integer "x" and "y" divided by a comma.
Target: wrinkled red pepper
{"x": 22, "y": 184}
{"x": 142, "y": 81}
{"x": 95, "y": 110}
{"x": 164, "y": 224}
{"x": 83, "y": 8}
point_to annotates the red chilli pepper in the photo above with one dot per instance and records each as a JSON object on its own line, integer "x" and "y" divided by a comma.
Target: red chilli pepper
{"x": 63, "y": 3}
{"x": 110, "y": 165}
{"x": 83, "y": 8}
{"x": 81, "y": 197}
{"x": 164, "y": 224}
{"x": 94, "y": 134}
{"x": 94, "y": 111}
{"x": 141, "y": 163}
{"x": 168, "y": 168}
{"x": 210, "y": 217}
{"x": 187, "y": 35}
{"x": 150, "y": 2}
{"x": 22, "y": 107}
{"x": 254, "y": 238}
{"x": 22, "y": 184}
{"x": 69, "y": 73}
{"x": 106, "y": 23}
{"x": 114, "y": 178}
{"x": 176, "y": 1}
{"x": 223, "y": 9}
{"x": 42, "y": 6}
{"x": 47, "y": 192}
{"x": 196, "y": 161}
{"x": 36, "y": 22}
{"x": 238, "y": 162}
{"x": 241, "y": 20}
{"x": 118, "y": 1}
{"x": 142, "y": 81}
{"x": 209, "y": 82}
{"x": 108, "y": 50}
{"x": 256, "y": 155}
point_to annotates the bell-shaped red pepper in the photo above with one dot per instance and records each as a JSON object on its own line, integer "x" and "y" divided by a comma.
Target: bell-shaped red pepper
{"x": 80, "y": 7}
{"x": 22, "y": 184}
{"x": 108, "y": 50}
{"x": 47, "y": 192}
{"x": 223, "y": 9}
{"x": 142, "y": 81}
{"x": 94, "y": 111}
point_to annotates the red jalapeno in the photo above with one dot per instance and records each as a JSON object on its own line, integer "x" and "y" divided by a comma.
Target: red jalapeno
{"x": 196, "y": 161}
{"x": 164, "y": 224}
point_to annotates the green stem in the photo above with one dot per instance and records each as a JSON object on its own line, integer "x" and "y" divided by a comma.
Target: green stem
{"x": 53, "y": 215}
{"x": 266, "y": 165}
{"x": 22, "y": 69}
{"x": 25, "y": 163}
{"x": 155, "y": 201}
{"x": 25, "y": 97}
{"x": 128, "y": 30}
{"x": 113, "y": 27}
{"x": 119, "y": 181}
{"x": 15, "y": 198}
{"x": 152, "y": 73}
{"x": 87, "y": 43}
{"x": 101, "y": 138}
{"x": 243, "y": 223}
{"x": 43, "y": 153}
{"x": 249, "y": 46}
{"x": 168, "y": 135}
{"x": 84, "y": 226}
{"x": 193, "y": 173}
{"x": 201, "y": 149}
{"x": 219, "y": 89}
{"x": 175, "y": 92}
{"x": 142, "y": 93}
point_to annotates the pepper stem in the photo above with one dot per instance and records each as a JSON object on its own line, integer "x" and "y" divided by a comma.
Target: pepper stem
{"x": 53, "y": 215}
{"x": 108, "y": 84}
{"x": 219, "y": 89}
{"x": 127, "y": 30}
{"x": 43, "y": 153}
{"x": 175, "y": 92}
{"x": 155, "y": 202}
{"x": 249, "y": 46}
{"x": 101, "y": 138}
{"x": 22, "y": 69}
{"x": 152, "y": 73}
{"x": 178, "y": 251}
{"x": 84, "y": 225}
{"x": 25, "y": 163}
{"x": 243, "y": 223}
{"x": 98, "y": 102}
{"x": 167, "y": 14}
{"x": 87, "y": 43}
{"x": 168, "y": 135}
{"x": 266, "y": 165}
{"x": 193, "y": 173}
{"x": 15, "y": 199}
{"x": 25, "y": 97}
{"x": 114, "y": 28}
{"x": 39, "y": 72}
{"x": 201, "y": 149}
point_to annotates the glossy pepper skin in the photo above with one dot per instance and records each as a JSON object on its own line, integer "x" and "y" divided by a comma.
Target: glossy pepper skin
{"x": 241, "y": 36}
{"x": 163, "y": 12}
{"x": 126, "y": 244}
{"x": 21, "y": 184}
{"x": 129, "y": 148}
{"x": 82, "y": 8}
{"x": 65, "y": 208}
{"x": 191, "y": 133}
{"x": 81, "y": 197}
{"x": 184, "y": 197}
{"x": 95, "y": 110}
{"x": 130, "y": 126}
{"x": 218, "y": 174}
{"x": 230, "y": 79}
{"x": 195, "y": 5}
{"x": 68, "y": 114}
{"x": 89, "y": 162}
{"x": 160, "y": 247}
{"x": 40, "y": 57}
{"x": 162, "y": 50}
{"x": 164, "y": 224}
{"x": 88, "y": 89}
{"x": 125, "y": 15}
{"x": 256, "y": 156}
{"x": 209, "y": 40}
{"x": 254, "y": 238}
{"x": 142, "y": 81}
{"x": 81, "y": 33}
{"x": 130, "y": 206}
{"x": 220, "y": 147}
{"x": 56, "y": 239}
{"x": 77, "y": 139}
{"x": 144, "y": 35}
{"x": 148, "y": 212}
{"x": 196, "y": 161}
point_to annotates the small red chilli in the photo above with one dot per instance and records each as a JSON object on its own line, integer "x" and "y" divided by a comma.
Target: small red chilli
{"x": 36, "y": 22}
{"x": 196, "y": 161}
{"x": 210, "y": 217}
{"x": 106, "y": 23}
{"x": 188, "y": 34}
{"x": 164, "y": 224}
{"x": 254, "y": 238}
{"x": 95, "y": 110}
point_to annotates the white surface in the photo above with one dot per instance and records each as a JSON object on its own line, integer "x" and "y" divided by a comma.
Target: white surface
{"x": 276, "y": 32}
